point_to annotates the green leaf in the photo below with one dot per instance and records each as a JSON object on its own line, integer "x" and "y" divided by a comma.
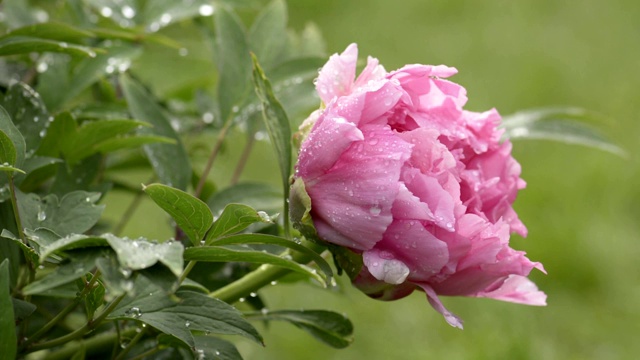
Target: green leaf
{"x": 15, "y": 148}
{"x": 329, "y": 327}
{"x": 141, "y": 254}
{"x": 61, "y": 131}
{"x": 259, "y": 196}
{"x": 9, "y": 343}
{"x": 15, "y": 45}
{"x": 166, "y": 12}
{"x": 277, "y": 124}
{"x": 170, "y": 161}
{"x": 234, "y": 218}
{"x": 559, "y": 124}
{"x": 75, "y": 213}
{"x": 190, "y": 213}
{"x": 9, "y": 168}
{"x": 38, "y": 169}
{"x": 192, "y": 311}
{"x": 115, "y": 278}
{"x": 268, "y": 35}
{"x": 275, "y": 240}
{"x": 26, "y": 109}
{"x": 90, "y": 70}
{"x": 300, "y": 213}
{"x": 22, "y": 309}
{"x": 90, "y": 135}
{"x": 222, "y": 254}
{"x": 234, "y": 63}
{"x": 41, "y": 237}
{"x": 51, "y": 31}
{"x": 209, "y": 347}
{"x": 7, "y": 150}
{"x": 129, "y": 142}
{"x": 70, "y": 242}
{"x": 95, "y": 298}
{"x": 64, "y": 274}
{"x": 29, "y": 252}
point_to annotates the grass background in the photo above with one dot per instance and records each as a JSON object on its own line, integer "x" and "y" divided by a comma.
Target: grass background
{"x": 581, "y": 205}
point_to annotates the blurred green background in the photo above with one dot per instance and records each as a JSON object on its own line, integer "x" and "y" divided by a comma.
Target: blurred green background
{"x": 581, "y": 205}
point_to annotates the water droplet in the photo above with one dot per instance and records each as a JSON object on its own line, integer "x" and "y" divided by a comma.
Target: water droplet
{"x": 125, "y": 272}
{"x": 128, "y": 12}
{"x": 253, "y": 294}
{"x": 206, "y": 10}
{"x": 64, "y": 45}
{"x": 207, "y": 118}
{"x": 274, "y": 282}
{"x": 264, "y": 217}
{"x": 200, "y": 354}
{"x": 202, "y": 242}
{"x": 264, "y": 311}
{"x": 242, "y": 299}
{"x": 217, "y": 352}
{"x": 165, "y": 19}
{"x": 42, "y": 216}
{"x": 183, "y": 52}
{"x": 187, "y": 323}
{"x": 375, "y": 210}
{"x": 42, "y": 67}
{"x": 106, "y": 12}
{"x": 134, "y": 312}
{"x": 43, "y": 133}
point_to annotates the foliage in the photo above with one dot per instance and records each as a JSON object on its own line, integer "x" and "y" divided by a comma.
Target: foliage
{"x": 83, "y": 117}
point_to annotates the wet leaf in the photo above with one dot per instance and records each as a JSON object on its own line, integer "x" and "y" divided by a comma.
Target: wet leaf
{"x": 559, "y": 124}
{"x": 234, "y": 63}
{"x": 190, "y": 213}
{"x": 8, "y": 345}
{"x": 191, "y": 311}
{"x": 268, "y": 35}
{"x": 329, "y": 327}
{"x": 74, "y": 213}
{"x": 279, "y": 241}
{"x": 277, "y": 124}
{"x": 170, "y": 161}
{"x": 13, "y": 145}
{"x": 234, "y": 218}
{"x": 15, "y": 45}
{"x": 223, "y": 254}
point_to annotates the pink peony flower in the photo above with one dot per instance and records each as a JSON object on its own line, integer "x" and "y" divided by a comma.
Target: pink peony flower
{"x": 399, "y": 172}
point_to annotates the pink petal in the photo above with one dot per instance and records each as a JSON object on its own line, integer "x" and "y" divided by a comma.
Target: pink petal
{"x": 355, "y": 196}
{"x": 517, "y": 289}
{"x": 410, "y": 243}
{"x": 384, "y": 267}
{"x": 324, "y": 145}
{"x": 373, "y": 71}
{"x": 452, "y": 319}
{"x": 338, "y": 74}
{"x": 440, "y": 200}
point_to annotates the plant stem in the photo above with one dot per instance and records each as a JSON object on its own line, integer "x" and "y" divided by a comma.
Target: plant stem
{"x": 90, "y": 325}
{"x": 128, "y": 213}
{"x": 131, "y": 344}
{"x": 88, "y": 286}
{"x": 251, "y": 282}
{"x": 186, "y": 271}
{"x": 16, "y": 213}
{"x": 212, "y": 156}
{"x": 146, "y": 353}
{"x": 243, "y": 159}
{"x": 262, "y": 276}
{"x": 98, "y": 344}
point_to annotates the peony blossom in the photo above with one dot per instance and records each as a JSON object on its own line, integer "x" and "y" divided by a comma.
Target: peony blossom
{"x": 399, "y": 172}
